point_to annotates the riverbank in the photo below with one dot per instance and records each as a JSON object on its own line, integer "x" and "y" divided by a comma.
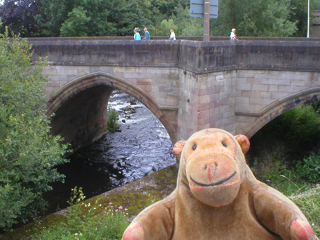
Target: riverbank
{"x": 134, "y": 196}
{"x": 137, "y": 195}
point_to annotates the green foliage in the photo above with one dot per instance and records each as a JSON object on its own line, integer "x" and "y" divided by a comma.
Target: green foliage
{"x": 119, "y": 17}
{"x": 28, "y": 153}
{"x": 309, "y": 168}
{"x": 276, "y": 167}
{"x": 186, "y": 25}
{"x": 316, "y": 107}
{"x": 112, "y": 119}
{"x": 76, "y": 24}
{"x": 309, "y": 204}
{"x": 164, "y": 27}
{"x": 299, "y": 128}
{"x": 261, "y": 18}
{"x": 302, "y": 126}
{"x": 87, "y": 221}
{"x": 272, "y": 169}
{"x": 90, "y": 17}
{"x": 77, "y": 196}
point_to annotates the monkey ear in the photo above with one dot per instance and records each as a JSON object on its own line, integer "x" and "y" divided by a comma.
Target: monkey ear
{"x": 243, "y": 142}
{"x": 177, "y": 148}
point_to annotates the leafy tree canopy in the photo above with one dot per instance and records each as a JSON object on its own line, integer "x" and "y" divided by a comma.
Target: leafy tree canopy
{"x": 19, "y": 16}
{"x": 28, "y": 153}
{"x": 119, "y": 17}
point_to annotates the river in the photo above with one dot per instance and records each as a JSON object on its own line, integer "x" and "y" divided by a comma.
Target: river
{"x": 143, "y": 146}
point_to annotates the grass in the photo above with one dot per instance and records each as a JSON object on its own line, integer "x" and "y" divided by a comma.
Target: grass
{"x": 273, "y": 170}
{"x": 309, "y": 203}
{"x": 86, "y": 221}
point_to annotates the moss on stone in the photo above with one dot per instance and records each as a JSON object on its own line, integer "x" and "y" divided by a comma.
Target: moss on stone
{"x": 134, "y": 196}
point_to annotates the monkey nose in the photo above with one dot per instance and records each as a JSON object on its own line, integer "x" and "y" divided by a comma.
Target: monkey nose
{"x": 210, "y": 166}
{"x": 211, "y": 170}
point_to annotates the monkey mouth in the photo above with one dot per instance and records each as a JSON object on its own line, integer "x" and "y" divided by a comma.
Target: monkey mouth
{"x": 214, "y": 184}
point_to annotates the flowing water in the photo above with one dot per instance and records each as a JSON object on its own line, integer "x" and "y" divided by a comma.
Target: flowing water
{"x": 142, "y": 147}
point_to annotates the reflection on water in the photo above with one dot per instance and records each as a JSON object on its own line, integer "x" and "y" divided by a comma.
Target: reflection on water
{"x": 143, "y": 146}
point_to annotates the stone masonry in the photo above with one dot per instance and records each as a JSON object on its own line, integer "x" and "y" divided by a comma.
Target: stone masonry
{"x": 189, "y": 85}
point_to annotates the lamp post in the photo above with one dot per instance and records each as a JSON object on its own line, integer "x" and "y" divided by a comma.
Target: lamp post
{"x": 308, "y": 27}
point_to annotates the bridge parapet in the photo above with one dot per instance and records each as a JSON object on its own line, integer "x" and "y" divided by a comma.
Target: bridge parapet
{"x": 196, "y": 56}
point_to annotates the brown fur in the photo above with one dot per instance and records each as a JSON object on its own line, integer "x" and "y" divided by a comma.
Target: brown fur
{"x": 218, "y": 198}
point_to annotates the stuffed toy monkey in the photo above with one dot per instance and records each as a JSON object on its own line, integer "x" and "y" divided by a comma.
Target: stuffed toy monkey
{"x": 218, "y": 198}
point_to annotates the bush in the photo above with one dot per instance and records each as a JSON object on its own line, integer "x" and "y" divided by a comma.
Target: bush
{"x": 273, "y": 170}
{"x": 309, "y": 168}
{"x": 87, "y": 221}
{"x": 299, "y": 128}
{"x": 28, "y": 152}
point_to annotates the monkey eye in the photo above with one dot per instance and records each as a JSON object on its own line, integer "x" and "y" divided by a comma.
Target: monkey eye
{"x": 194, "y": 147}
{"x": 224, "y": 144}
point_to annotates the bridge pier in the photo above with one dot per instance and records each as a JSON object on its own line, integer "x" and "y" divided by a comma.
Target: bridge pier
{"x": 206, "y": 101}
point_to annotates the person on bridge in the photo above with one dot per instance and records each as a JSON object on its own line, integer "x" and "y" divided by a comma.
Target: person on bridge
{"x": 172, "y": 35}
{"x": 233, "y": 35}
{"x": 146, "y": 34}
{"x": 136, "y": 35}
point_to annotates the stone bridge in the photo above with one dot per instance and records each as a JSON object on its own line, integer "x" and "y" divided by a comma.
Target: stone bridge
{"x": 188, "y": 84}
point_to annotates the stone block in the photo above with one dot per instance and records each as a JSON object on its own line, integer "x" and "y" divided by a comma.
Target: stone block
{"x": 291, "y": 89}
{"x": 265, "y": 95}
{"x": 244, "y": 86}
{"x": 276, "y": 81}
{"x": 260, "y": 87}
{"x": 256, "y": 101}
{"x": 243, "y": 100}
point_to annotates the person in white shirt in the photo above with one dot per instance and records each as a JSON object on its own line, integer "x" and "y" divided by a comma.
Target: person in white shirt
{"x": 172, "y": 35}
{"x": 233, "y": 35}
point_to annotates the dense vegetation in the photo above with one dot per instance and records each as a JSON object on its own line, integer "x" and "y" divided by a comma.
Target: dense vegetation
{"x": 86, "y": 221}
{"x": 286, "y": 155}
{"x": 28, "y": 153}
{"x": 119, "y": 17}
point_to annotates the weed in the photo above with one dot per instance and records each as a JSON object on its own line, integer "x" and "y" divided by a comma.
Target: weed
{"x": 87, "y": 221}
{"x": 309, "y": 168}
{"x": 112, "y": 120}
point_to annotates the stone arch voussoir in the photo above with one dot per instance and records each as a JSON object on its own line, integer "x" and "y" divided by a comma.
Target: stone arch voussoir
{"x": 279, "y": 107}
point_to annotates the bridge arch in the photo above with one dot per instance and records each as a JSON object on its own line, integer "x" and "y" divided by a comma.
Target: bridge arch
{"x": 281, "y": 106}
{"x": 79, "y": 108}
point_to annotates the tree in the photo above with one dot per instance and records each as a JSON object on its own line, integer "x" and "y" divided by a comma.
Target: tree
{"x": 260, "y": 18}
{"x": 76, "y": 24}
{"x": 52, "y": 15}
{"x": 28, "y": 153}
{"x": 187, "y": 25}
{"x": 19, "y": 16}
{"x": 120, "y": 17}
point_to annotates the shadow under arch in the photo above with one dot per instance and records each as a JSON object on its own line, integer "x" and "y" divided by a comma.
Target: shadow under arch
{"x": 281, "y": 106}
{"x": 80, "y": 107}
